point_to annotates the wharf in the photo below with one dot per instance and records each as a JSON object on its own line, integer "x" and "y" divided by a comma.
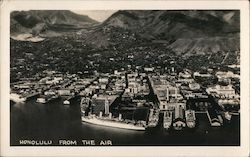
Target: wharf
{"x": 28, "y": 96}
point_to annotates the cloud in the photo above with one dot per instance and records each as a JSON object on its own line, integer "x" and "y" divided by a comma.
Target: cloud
{"x": 98, "y": 15}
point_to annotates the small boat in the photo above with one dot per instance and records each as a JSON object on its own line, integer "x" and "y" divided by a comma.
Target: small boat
{"x": 41, "y": 100}
{"x": 227, "y": 116}
{"x": 66, "y": 102}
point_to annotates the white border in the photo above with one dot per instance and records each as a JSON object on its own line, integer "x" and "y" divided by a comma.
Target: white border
{"x": 6, "y": 150}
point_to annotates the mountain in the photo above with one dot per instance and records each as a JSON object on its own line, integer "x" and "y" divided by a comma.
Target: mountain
{"x": 181, "y": 24}
{"x": 185, "y": 32}
{"x": 46, "y": 23}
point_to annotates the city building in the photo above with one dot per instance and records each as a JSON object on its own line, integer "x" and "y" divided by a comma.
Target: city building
{"x": 219, "y": 90}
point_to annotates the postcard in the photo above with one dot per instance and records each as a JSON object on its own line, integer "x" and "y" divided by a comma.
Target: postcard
{"x": 124, "y": 78}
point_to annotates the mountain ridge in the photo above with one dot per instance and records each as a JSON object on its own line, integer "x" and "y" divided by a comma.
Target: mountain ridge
{"x": 47, "y": 22}
{"x": 203, "y": 29}
{"x": 186, "y": 32}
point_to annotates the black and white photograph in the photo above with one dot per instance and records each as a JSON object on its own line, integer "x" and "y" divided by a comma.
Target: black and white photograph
{"x": 125, "y": 77}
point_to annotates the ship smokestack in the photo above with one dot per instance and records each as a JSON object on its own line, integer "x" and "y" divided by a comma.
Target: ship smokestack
{"x": 120, "y": 116}
{"x": 106, "y": 106}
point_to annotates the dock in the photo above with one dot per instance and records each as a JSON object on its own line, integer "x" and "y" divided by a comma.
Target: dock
{"x": 28, "y": 96}
{"x": 209, "y": 118}
{"x": 215, "y": 120}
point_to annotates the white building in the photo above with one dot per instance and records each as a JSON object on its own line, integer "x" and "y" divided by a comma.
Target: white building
{"x": 64, "y": 92}
{"x": 103, "y": 80}
{"x": 197, "y": 74}
{"x": 226, "y": 75}
{"x": 219, "y": 90}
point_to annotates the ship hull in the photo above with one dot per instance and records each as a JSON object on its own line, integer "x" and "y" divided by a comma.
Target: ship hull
{"x": 112, "y": 124}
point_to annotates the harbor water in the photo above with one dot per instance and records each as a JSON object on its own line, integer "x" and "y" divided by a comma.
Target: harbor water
{"x": 54, "y": 121}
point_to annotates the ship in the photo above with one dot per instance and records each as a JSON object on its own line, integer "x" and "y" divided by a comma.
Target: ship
{"x": 108, "y": 121}
{"x": 113, "y": 122}
{"x": 190, "y": 118}
{"x": 17, "y": 98}
{"x": 167, "y": 119}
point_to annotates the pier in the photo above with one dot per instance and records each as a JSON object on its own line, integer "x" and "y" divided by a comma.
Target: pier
{"x": 214, "y": 118}
{"x": 28, "y": 96}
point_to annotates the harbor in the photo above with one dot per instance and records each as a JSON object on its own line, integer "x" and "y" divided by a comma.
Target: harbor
{"x": 52, "y": 117}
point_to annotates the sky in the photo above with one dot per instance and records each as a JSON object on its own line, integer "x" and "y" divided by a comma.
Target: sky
{"x": 98, "y": 15}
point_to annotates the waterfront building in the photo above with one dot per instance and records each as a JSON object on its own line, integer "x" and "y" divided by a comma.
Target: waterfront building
{"x": 17, "y": 98}
{"x": 179, "y": 118}
{"x": 63, "y": 92}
